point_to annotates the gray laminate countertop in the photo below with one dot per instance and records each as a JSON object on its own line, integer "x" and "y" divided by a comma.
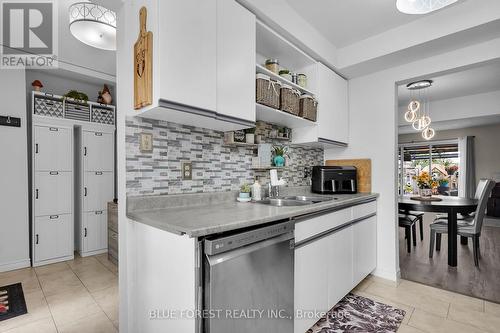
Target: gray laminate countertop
{"x": 204, "y": 214}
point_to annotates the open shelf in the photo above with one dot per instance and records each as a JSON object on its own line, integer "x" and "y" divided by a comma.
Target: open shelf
{"x": 278, "y": 117}
{"x": 265, "y": 168}
{"x": 276, "y": 77}
{"x": 241, "y": 144}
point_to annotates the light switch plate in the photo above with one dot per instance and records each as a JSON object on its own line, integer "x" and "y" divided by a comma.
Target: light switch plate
{"x": 187, "y": 171}
{"x": 146, "y": 143}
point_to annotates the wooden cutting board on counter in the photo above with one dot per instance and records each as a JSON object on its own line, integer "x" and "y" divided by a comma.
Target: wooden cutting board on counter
{"x": 143, "y": 64}
{"x": 364, "y": 167}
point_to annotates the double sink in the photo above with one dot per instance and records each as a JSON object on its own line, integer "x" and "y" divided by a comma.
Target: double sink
{"x": 299, "y": 200}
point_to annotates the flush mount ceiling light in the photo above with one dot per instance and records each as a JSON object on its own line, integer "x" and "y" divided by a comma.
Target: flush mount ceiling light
{"x": 422, "y": 6}
{"x": 93, "y": 25}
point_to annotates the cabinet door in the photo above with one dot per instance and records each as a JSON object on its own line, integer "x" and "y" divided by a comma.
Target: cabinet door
{"x": 95, "y": 231}
{"x": 311, "y": 282}
{"x": 98, "y": 151}
{"x": 333, "y": 106}
{"x": 339, "y": 265}
{"x": 53, "y": 237}
{"x": 53, "y": 148}
{"x": 53, "y": 193}
{"x": 236, "y": 45}
{"x": 98, "y": 190}
{"x": 364, "y": 248}
{"x": 187, "y": 52}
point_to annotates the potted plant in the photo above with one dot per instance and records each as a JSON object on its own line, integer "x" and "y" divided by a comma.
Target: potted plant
{"x": 443, "y": 185}
{"x": 279, "y": 155}
{"x": 250, "y": 135}
{"x": 245, "y": 190}
{"x": 425, "y": 183}
{"x": 451, "y": 169}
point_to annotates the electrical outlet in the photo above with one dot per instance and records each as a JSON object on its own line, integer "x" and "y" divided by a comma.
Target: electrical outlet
{"x": 146, "y": 143}
{"x": 187, "y": 171}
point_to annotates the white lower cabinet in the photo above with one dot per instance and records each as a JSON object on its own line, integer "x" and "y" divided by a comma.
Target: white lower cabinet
{"x": 53, "y": 193}
{"x": 365, "y": 245}
{"x": 51, "y": 239}
{"x": 334, "y": 252}
{"x": 95, "y": 232}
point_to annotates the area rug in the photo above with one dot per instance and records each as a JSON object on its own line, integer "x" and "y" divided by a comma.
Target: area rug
{"x": 359, "y": 314}
{"x": 12, "y": 303}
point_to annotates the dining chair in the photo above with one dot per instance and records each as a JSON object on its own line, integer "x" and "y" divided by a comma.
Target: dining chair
{"x": 469, "y": 226}
{"x": 419, "y": 217}
{"x": 408, "y": 222}
{"x": 477, "y": 196}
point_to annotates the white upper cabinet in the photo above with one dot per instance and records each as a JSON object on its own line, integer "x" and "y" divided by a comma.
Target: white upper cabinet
{"x": 53, "y": 148}
{"x": 235, "y": 60}
{"x": 187, "y": 52}
{"x": 98, "y": 151}
{"x": 333, "y": 107}
{"x": 203, "y": 63}
{"x": 332, "y": 125}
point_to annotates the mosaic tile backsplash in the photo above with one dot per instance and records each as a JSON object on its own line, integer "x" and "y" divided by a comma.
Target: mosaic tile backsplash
{"x": 216, "y": 166}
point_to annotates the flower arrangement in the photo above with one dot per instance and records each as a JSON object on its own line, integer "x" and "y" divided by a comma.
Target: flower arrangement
{"x": 425, "y": 181}
{"x": 451, "y": 169}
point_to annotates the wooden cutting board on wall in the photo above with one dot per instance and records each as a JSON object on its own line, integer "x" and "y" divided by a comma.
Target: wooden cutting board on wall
{"x": 143, "y": 64}
{"x": 364, "y": 167}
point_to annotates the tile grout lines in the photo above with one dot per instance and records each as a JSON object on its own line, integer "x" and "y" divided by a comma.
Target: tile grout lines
{"x": 45, "y": 297}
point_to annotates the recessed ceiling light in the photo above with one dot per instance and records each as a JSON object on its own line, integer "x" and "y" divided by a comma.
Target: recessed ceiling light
{"x": 422, "y": 6}
{"x": 419, "y": 84}
{"x": 93, "y": 25}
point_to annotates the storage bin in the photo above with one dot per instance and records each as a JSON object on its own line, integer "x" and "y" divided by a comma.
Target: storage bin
{"x": 50, "y": 107}
{"x": 76, "y": 111}
{"x": 308, "y": 107}
{"x": 289, "y": 100}
{"x": 268, "y": 92}
{"x": 103, "y": 115}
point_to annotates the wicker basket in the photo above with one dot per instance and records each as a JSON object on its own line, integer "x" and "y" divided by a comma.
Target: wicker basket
{"x": 308, "y": 107}
{"x": 289, "y": 100}
{"x": 268, "y": 92}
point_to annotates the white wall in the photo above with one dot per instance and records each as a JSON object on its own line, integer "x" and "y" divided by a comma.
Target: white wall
{"x": 14, "y": 228}
{"x": 373, "y": 134}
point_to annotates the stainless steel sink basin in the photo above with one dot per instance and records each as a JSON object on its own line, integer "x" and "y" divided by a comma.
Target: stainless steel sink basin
{"x": 293, "y": 201}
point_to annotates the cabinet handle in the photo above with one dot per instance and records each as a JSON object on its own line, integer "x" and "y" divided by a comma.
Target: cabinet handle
{"x": 53, "y": 173}
{"x": 99, "y": 212}
{"x": 84, "y": 151}
{"x": 36, "y": 241}
{"x": 85, "y": 235}
{"x": 36, "y": 148}
{"x": 85, "y": 191}
{"x": 98, "y": 134}
{"x": 53, "y": 217}
{"x": 53, "y": 129}
{"x": 98, "y": 173}
{"x": 36, "y": 194}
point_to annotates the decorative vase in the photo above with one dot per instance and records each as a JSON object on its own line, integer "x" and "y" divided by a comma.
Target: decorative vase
{"x": 426, "y": 192}
{"x": 279, "y": 161}
{"x": 244, "y": 195}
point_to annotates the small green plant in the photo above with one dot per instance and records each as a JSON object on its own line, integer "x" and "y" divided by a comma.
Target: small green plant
{"x": 443, "y": 181}
{"x": 245, "y": 188}
{"x": 280, "y": 150}
{"x": 77, "y": 95}
{"x": 284, "y": 71}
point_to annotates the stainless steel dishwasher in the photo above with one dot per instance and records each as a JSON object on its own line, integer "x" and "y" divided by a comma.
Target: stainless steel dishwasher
{"x": 248, "y": 281}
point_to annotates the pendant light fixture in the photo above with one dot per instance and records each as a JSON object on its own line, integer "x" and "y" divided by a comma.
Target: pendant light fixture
{"x": 421, "y": 6}
{"x": 93, "y": 25}
{"x": 418, "y": 112}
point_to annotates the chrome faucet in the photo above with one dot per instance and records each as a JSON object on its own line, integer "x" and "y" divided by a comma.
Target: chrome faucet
{"x": 274, "y": 191}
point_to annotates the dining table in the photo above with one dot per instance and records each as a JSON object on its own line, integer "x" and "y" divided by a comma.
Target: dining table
{"x": 452, "y": 206}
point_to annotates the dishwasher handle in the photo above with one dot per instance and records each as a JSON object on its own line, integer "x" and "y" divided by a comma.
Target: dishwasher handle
{"x": 230, "y": 255}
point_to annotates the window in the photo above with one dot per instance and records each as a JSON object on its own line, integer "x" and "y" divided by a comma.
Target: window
{"x": 440, "y": 159}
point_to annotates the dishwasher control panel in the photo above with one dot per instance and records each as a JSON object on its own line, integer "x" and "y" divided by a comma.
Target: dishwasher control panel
{"x": 230, "y": 242}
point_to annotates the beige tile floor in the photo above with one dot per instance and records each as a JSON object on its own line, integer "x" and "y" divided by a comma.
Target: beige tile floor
{"x": 80, "y": 295}
{"x": 433, "y": 310}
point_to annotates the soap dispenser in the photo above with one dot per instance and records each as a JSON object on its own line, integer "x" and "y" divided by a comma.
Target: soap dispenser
{"x": 256, "y": 190}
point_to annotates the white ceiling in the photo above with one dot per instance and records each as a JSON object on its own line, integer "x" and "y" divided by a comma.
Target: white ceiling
{"x": 476, "y": 80}
{"x": 345, "y": 22}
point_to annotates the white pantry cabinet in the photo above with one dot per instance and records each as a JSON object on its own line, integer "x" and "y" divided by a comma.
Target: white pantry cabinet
{"x": 52, "y": 237}
{"x": 52, "y": 146}
{"x": 98, "y": 190}
{"x": 95, "y": 232}
{"x": 98, "y": 151}
{"x": 334, "y": 251}
{"x": 203, "y": 63}
{"x": 332, "y": 128}
{"x": 53, "y": 192}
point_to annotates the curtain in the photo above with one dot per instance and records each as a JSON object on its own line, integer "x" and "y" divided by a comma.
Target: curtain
{"x": 467, "y": 171}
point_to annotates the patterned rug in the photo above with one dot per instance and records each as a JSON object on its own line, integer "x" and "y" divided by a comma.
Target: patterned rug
{"x": 12, "y": 303}
{"x": 359, "y": 314}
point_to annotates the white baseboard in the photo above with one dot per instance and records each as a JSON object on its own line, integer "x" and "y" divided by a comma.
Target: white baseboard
{"x": 53, "y": 261}
{"x": 387, "y": 275}
{"x": 93, "y": 253}
{"x": 10, "y": 266}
